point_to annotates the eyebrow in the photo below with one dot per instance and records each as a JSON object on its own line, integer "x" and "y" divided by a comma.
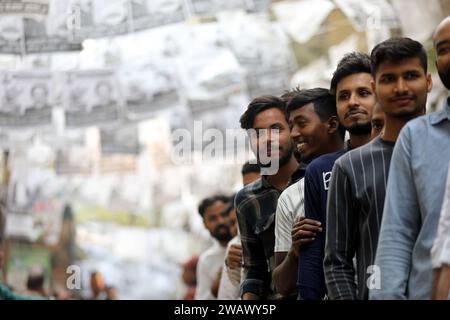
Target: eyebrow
{"x": 273, "y": 124}
{"x": 446, "y": 41}
{"x": 357, "y": 88}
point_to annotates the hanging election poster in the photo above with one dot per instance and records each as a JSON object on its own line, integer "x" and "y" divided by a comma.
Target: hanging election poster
{"x": 91, "y": 98}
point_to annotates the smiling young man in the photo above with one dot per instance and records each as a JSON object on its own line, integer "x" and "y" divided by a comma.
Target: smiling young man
{"x": 256, "y": 203}
{"x": 416, "y": 187}
{"x": 355, "y": 98}
{"x": 315, "y": 130}
{"x": 358, "y": 181}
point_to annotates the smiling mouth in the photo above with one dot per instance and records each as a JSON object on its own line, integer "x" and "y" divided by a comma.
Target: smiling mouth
{"x": 301, "y": 146}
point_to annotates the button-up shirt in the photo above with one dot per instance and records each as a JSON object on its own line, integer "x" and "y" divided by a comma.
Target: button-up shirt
{"x": 414, "y": 195}
{"x": 256, "y": 204}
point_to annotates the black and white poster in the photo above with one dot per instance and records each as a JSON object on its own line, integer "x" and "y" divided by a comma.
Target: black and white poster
{"x": 147, "y": 14}
{"x": 38, "y": 33}
{"x": 264, "y": 51}
{"x": 26, "y": 99}
{"x": 212, "y": 7}
{"x": 91, "y": 98}
{"x": 149, "y": 87}
{"x": 24, "y": 7}
{"x": 100, "y": 18}
{"x": 120, "y": 139}
{"x": 104, "y": 18}
{"x": 210, "y": 76}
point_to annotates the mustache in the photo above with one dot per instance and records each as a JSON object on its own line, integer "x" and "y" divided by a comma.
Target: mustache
{"x": 353, "y": 111}
{"x": 222, "y": 226}
{"x": 403, "y": 96}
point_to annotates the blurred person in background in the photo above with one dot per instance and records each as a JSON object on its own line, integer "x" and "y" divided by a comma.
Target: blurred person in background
{"x": 189, "y": 276}
{"x": 217, "y": 220}
{"x": 232, "y": 268}
{"x": 98, "y": 287}
{"x": 111, "y": 293}
{"x": 377, "y": 121}
{"x": 36, "y": 281}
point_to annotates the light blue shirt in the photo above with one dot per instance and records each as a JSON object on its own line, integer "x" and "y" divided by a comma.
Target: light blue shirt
{"x": 414, "y": 196}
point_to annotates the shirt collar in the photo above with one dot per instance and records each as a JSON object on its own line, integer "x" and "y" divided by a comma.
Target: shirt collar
{"x": 439, "y": 116}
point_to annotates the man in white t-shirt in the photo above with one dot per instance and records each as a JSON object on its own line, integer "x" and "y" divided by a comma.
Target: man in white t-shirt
{"x": 440, "y": 253}
{"x": 311, "y": 114}
{"x": 216, "y": 220}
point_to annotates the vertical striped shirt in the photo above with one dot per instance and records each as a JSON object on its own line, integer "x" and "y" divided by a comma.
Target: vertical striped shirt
{"x": 354, "y": 210}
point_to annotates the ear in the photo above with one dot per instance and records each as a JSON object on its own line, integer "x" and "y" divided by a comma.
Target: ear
{"x": 333, "y": 124}
{"x": 429, "y": 82}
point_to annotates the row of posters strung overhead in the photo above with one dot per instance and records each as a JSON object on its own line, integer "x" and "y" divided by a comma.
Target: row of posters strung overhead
{"x": 207, "y": 72}
{"x": 36, "y": 26}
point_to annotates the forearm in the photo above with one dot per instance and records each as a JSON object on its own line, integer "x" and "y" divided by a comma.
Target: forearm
{"x": 257, "y": 281}
{"x": 250, "y": 296}
{"x": 284, "y": 275}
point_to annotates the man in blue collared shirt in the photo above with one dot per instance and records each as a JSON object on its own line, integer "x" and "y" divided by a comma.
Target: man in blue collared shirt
{"x": 414, "y": 196}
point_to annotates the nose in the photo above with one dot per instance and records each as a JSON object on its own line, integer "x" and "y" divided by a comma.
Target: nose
{"x": 223, "y": 220}
{"x": 295, "y": 133}
{"x": 353, "y": 101}
{"x": 401, "y": 86}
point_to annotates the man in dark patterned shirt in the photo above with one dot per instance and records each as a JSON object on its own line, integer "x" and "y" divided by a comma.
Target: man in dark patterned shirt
{"x": 256, "y": 203}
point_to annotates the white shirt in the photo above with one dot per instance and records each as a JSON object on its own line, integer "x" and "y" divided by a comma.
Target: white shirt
{"x": 230, "y": 280}
{"x": 290, "y": 207}
{"x": 440, "y": 253}
{"x": 209, "y": 264}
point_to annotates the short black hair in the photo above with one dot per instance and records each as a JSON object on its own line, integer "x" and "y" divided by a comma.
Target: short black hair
{"x": 36, "y": 281}
{"x": 250, "y": 168}
{"x": 351, "y": 63}
{"x": 210, "y": 201}
{"x": 258, "y": 105}
{"x": 289, "y": 94}
{"x": 396, "y": 50}
{"x": 323, "y": 101}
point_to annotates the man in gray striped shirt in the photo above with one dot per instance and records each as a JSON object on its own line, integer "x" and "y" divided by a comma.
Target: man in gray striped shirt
{"x": 359, "y": 178}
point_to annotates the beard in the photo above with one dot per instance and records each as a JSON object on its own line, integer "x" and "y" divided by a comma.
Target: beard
{"x": 282, "y": 161}
{"x": 445, "y": 77}
{"x": 359, "y": 129}
{"x": 222, "y": 236}
{"x": 297, "y": 155}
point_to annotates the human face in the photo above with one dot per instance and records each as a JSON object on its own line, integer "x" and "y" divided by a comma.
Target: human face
{"x": 39, "y": 95}
{"x": 217, "y": 222}
{"x": 402, "y": 87}
{"x": 354, "y": 101}
{"x": 442, "y": 46}
{"x": 377, "y": 121}
{"x": 272, "y": 136}
{"x": 310, "y": 135}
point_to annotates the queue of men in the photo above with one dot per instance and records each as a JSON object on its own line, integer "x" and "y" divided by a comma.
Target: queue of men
{"x": 341, "y": 219}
